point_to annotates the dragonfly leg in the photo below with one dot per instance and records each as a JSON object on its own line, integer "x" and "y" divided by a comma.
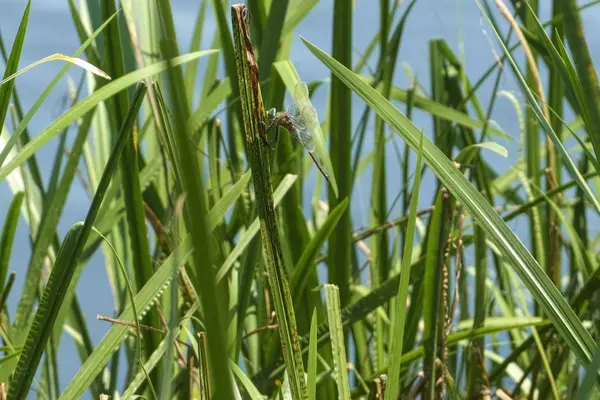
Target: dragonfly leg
{"x": 272, "y": 142}
{"x": 266, "y": 128}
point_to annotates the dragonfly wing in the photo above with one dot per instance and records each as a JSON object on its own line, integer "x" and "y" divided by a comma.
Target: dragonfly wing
{"x": 305, "y": 138}
{"x": 301, "y": 97}
{"x": 309, "y": 120}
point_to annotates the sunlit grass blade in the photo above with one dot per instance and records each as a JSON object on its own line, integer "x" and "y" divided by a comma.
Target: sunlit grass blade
{"x": 11, "y": 67}
{"x": 32, "y": 111}
{"x": 336, "y": 333}
{"x": 246, "y": 382}
{"x": 543, "y": 290}
{"x": 311, "y": 380}
{"x": 84, "y": 106}
{"x": 59, "y": 57}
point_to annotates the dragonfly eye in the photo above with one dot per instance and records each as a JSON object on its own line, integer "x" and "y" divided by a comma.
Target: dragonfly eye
{"x": 271, "y": 114}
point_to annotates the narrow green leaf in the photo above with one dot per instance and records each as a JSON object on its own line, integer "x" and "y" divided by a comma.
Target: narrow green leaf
{"x": 307, "y": 260}
{"x": 311, "y": 380}
{"x": 8, "y": 235}
{"x": 397, "y": 339}
{"x": 246, "y": 382}
{"x": 11, "y": 67}
{"x": 336, "y": 332}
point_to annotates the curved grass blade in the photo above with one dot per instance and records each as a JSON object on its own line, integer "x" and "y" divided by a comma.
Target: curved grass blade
{"x": 543, "y": 290}
{"x": 59, "y": 57}
{"x": 81, "y": 108}
{"x": 65, "y": 266}
{"x": 252, "y": 391}
{"x": 33, "y": 110}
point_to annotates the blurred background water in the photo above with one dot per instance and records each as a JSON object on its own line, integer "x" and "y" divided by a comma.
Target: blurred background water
{"x": 457, "y": 21}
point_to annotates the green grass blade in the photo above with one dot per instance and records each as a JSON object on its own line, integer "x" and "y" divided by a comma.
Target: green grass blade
{"x": 202, "y": 275}
{"x": 84, "y": 106}
{"x": 65, "y": 266}
{"x": 585, "y": 69}
{"x": 340, "y": 151}
{"x": 301, "y": 271}
{"x": 270, "y": 43}
{"x": 336, "y": 332}
{"x": 191, "y": 70}
{"x": 566, "y": 159}
{"x": 397, "y": 339}
{"x": 8, "y": 235}
{"x": 11, "y": 67}
{"x": 118, "y": 333}
{"x": 47, "y": 228}
{"x": 145, "y": 297}
{"x": 587, "y": 386}
{"x": 27, "y": 118}
{"x": 311, "y": 380}
{"x": 246, "y": 382}
{"x": 543, "y": 290}
{"x": 246, "y": 237}
{"x": 253, "y": 115}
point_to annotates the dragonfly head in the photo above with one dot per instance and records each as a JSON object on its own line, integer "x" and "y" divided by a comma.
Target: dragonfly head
{"x": 271, "y": 114}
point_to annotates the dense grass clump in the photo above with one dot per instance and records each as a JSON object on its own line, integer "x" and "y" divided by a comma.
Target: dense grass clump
{"x": 224, "y": 286}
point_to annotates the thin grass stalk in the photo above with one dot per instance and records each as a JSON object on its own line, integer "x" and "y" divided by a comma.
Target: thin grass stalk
{"x": 380, "y": 264}
{"x": 340, "y": 243}
{"x": 397, "y": 338}
{"x": 585, "y": 70}
{"x": 11, "y": 67}
{"x": 253, "y": 115}
{"x": 336, "y": 329}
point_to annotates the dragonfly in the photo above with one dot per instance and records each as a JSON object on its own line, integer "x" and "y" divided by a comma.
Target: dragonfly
{"x": 300, "y": 120}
